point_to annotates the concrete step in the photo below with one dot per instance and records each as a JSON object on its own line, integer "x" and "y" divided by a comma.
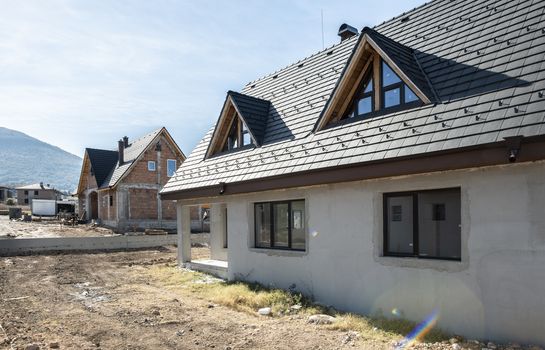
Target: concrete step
{"x": 216, "y": 268}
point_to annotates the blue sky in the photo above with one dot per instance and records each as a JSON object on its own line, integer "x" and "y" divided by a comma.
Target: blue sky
{"x": 82, "y": 74}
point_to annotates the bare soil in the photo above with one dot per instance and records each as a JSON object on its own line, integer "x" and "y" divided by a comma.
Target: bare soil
{"x": 114, "y": 301}
{"x": 48, "y": 228}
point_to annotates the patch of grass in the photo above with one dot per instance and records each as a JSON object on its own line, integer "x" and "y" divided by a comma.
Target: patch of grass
{"x": 172, "y": 277}
{"x": 249, "y": 297}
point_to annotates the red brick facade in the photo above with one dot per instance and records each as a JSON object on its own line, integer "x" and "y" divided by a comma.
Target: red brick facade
{"x": 135, "y": 196}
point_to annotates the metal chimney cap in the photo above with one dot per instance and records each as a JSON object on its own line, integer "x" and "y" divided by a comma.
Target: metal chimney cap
{"x": 346, "y": 31}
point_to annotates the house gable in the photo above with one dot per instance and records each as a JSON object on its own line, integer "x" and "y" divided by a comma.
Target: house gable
{"x": 371, "y": 55}
{"x": 241, "y": 114}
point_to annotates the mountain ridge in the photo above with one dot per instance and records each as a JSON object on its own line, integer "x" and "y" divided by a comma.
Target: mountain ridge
{"x": 25, "y": 160}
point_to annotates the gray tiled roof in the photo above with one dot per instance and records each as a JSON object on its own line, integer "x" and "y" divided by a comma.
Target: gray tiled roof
{"x": 254, "y": 112}
{"x": 105, "y": 162}
{"x": 484, "y": 59}
{"x": 102, "y": 163}
{"x": 131, "y": 153}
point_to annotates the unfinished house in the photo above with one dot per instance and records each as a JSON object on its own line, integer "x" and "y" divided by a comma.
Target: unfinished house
{"x": 403, "y": 166}
{"x": 6, "y": 193}
{"x": 25, "y": 194}
{"x": 120, "y": 188}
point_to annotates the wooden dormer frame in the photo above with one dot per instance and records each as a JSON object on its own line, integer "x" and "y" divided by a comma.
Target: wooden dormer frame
{"x": 366, "y": 52}
{"x": 228, "y": 115}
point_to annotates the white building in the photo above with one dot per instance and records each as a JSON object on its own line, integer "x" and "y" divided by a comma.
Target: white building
{"x": 403, "y": 168}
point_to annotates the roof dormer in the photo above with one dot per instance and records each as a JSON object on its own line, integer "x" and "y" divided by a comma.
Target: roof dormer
{"x": 241, "y": 124}
{"x": 381, "y": 76}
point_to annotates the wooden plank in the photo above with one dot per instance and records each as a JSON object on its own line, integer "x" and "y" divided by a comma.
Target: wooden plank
{"x": 376, "y": 81}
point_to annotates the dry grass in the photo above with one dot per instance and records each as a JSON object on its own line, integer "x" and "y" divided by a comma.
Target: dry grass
{"x": 249, "y": 297}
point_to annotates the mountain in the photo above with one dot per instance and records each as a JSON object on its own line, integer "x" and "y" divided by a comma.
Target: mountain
{"x": 25, "y": 160}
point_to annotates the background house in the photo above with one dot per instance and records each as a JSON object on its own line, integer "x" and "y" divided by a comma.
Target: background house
{"x": 401, "y": 169}
{"x": 25, "y": 194}
{"x": 6, "y": 193}
{"x": 121, "y": 188}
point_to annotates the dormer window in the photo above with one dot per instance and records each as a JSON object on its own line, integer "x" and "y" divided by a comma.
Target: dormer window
{"x": 239, "y": 135}
{"x": 241, "y": 124}
{"x": 381, "y": 76}
{"x": 390, "y": 92}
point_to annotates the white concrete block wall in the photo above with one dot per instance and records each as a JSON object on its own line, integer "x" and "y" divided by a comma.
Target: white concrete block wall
{"x": 496, "y": 292}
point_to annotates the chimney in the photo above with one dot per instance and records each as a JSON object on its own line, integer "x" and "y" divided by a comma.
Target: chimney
{"x": 120, "y": 151}
{"x": 126, "y": 141}
{"x": 41, "y": 184}
{"x": 347, "y": 31}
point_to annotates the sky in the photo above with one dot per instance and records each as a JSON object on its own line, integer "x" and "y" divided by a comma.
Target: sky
{"x": 80, "y": 74}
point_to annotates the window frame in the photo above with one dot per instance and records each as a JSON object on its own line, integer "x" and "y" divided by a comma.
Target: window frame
{"x": 376, "y": 93}
{"x": 174, "y": 173}
{"x": 401, "y": 85}
{"x": 154, "y": 165}
{"x": 415, "y": 209}
{"x": 271, "y": 228}
{"x": 354, "y": 107}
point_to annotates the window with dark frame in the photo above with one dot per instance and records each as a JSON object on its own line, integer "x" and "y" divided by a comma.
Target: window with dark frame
{"x": 111, "y": 201}
{"x": 239, "y": 135}
{"x": 280, "y": 225}
{"x": 36, "y": 193}
{"x": 423, "y": 224}
{"x": 393, "y": 93}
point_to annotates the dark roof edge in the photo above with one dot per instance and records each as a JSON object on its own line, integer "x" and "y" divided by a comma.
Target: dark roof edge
{"x": 497, "y": 153}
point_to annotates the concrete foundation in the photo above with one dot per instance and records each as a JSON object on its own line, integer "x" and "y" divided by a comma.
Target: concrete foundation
{"x": 28, "y": 245}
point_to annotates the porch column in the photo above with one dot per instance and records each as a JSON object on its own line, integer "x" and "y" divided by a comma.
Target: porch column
{"x": 184, "y": 233}
{"x": 218, "y": 232}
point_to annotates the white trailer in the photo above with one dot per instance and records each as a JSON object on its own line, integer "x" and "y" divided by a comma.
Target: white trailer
{"x": 44, "y": 207}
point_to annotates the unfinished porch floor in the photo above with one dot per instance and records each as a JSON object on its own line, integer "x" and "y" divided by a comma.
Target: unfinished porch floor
{"x": 217, "y": 268}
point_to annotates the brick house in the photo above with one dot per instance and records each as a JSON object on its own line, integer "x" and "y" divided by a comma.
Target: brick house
{"x": 121, "y": 188}
{"x": 25, "y": 194}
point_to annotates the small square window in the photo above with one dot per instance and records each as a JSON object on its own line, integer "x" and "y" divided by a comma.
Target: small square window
{"x": 365, "y": 105}
{"x": 36, "y": 193}
{"x": 26, "y": 200}
{"x": 391, "y": 98}
{"x": 151, "y": 165}
{"x": 26, "y": 192}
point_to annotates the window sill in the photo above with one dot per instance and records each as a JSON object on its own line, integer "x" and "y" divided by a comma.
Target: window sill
{"x": 279, "y": 252}
{"x": 420, "y": 263}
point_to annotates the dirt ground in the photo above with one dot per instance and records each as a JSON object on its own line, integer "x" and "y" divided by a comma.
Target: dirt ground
{"x": 114, "y": 301}
{"x": 140, "y": 300}
{"x": 48, "y": 228}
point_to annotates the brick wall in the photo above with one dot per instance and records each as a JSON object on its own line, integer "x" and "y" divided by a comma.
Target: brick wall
{"x": 143, "y": 203}
{"x": 169, "y": 210}
{"x": 140, "y": 172}
{"x": 105, "y": 211}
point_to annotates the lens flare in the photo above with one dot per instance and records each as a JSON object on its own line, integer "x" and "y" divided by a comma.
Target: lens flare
{"x": 314, "y": 233}
{"x": 396, "y": 312}
{"x": 420, "y": 330}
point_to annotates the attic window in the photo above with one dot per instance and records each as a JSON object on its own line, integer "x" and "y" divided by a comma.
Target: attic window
{"x": 239, "y": 135}
{"x": 380, "y": 90}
